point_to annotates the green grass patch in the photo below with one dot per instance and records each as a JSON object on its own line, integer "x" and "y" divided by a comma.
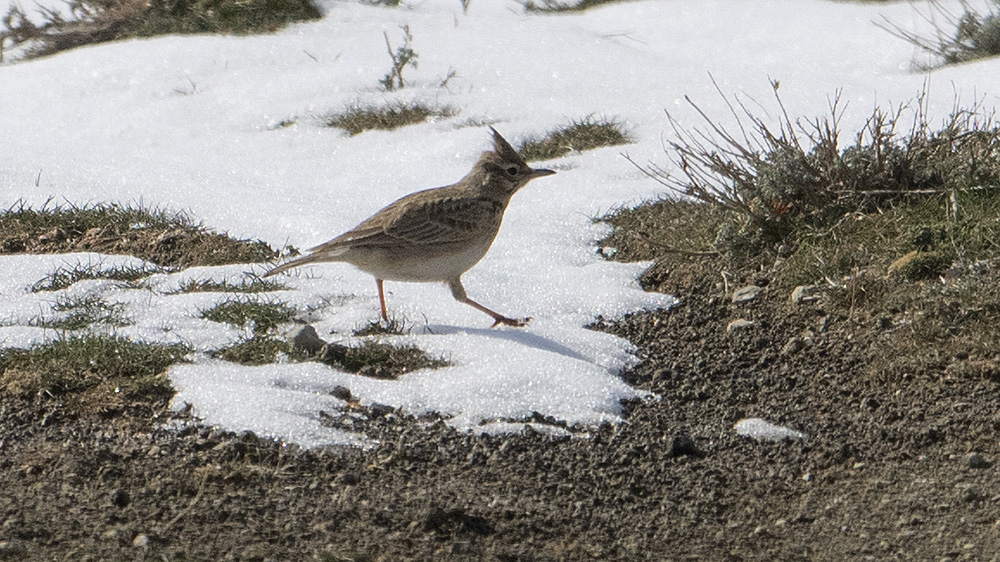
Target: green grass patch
{"x": 78, "y": 219}
{"x": 665, "y": 227}
{"x": 83, "y": 313}
{"x": 261, "y": 349}
{"x": 585, "y": 134}
{"x": 264, "y": 316}
{"x": 64, "y": 277}
{"x": 773, "y": 185}
{"x": 377, "y": 328}
{"x": 99, "y": 21}
{"x": 92, "y": 375}
{"x": 916, "y": 240}
{"x": 381, "y": 360}
{"x": 165, "y": 238}
{"x": 371, "y": 358}
{"x": 357, "y": 119}
{"x": 252, "y": 285}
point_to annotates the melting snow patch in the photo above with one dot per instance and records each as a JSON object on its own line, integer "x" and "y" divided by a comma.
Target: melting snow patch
{"x": 497, "y": 378}
{"x": 133, "y": 136}
{"x": 765, "y": 431}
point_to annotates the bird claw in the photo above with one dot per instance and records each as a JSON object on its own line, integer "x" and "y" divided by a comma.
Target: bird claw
{"x": 515, "y": 322}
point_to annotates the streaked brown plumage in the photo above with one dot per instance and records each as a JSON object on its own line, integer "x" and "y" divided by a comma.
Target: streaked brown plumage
{"x": 435, "y": 234}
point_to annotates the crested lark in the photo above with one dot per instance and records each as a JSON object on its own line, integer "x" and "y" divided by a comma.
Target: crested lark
{"x": 435, "y": 234}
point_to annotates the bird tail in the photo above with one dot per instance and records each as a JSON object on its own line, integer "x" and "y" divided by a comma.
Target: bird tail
{"x": 296, "y": 263}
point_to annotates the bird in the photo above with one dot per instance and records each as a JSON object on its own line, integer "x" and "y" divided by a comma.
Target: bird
{"x": 434, "y": 235}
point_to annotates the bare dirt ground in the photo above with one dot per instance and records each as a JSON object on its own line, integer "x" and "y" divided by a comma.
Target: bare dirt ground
{"x": 899, "y": 466}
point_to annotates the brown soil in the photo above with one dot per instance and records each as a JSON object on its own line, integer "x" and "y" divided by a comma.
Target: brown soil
{"x": 896, "y": 466}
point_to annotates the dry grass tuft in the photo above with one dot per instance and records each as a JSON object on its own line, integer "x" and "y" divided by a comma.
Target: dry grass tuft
{"x": 100, "y": 21}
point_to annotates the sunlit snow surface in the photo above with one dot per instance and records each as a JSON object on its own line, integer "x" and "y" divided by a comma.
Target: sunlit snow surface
{"x": 190, "y": 123}
{"x": 763, "y": 430}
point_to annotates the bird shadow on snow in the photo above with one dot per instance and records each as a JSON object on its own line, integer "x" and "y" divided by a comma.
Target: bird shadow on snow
{"x": 522, "y": 337}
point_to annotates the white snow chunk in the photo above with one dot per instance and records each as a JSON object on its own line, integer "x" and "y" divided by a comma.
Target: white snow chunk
{"x": 762, "y": 430}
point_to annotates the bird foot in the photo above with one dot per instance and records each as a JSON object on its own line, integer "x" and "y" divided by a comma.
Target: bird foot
{"x": 515, "y": 322}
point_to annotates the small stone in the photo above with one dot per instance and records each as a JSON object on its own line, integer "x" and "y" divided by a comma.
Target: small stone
{"x": 683, "y": 445}
{"x": 975, "y": 460}
{"x": 744, "y": 294}
{"x": 377, "y": 410}
{"x": 793, "y": 346}
{"x": 738, "y": 324}
{"x": 341, "y": 393}
{"x": 824, "y": 323}
{"x": 970, "y": 494}
{"x": 804, "y": 294}
{"x": 303, "y": 337}
{"x": 141, "y": 541}
{"x": 119, "y": 498}
{"x": 53, "y": 235}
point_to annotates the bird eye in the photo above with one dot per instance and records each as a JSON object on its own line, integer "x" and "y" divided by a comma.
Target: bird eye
{"x": 511, "y": 170}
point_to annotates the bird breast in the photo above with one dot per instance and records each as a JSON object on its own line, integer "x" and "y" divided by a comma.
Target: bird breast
{"x": 419, "y": 264}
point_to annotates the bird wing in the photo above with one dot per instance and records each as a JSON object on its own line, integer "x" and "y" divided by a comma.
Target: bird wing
{"x": 420, "y": 221}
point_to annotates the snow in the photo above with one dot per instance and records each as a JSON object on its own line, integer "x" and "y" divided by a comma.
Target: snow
{"x": 763, "y": 430}
{"x": 188, "y": 123}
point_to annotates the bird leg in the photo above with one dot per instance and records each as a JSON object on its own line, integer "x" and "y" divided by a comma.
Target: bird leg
{"x": 458, "y": 291}
{"x": 498, "y": 318}
{"x": 381, "y": 299}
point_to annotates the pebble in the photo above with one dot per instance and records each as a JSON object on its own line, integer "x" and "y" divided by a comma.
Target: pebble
{"x": 744, "y": 294}
{"x": 793, "y": 346}
{"x": 683, "y": 445}
{"x": 975, "y": 460}
{"x": 805, "y": 294}
{"x": 738, "y": 324}
{"x": 303, "y": 337}
{"x": 119, "y": 498}
{"x": 341, "y": 393}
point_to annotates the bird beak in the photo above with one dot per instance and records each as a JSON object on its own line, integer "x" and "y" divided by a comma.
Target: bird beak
{"x": 540, "y": 172}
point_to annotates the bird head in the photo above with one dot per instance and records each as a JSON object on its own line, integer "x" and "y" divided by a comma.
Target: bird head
{"x": 502, "y": 169}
